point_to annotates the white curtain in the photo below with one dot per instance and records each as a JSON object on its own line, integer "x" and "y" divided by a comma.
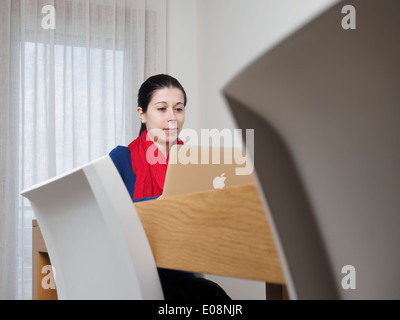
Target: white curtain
{"x": 68, "y": 96}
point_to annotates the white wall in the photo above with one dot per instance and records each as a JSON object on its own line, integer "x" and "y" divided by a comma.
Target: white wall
{"x": 182, "y": 53}
{"x": 232, "y": 33}
{"x": 209, "y": 42}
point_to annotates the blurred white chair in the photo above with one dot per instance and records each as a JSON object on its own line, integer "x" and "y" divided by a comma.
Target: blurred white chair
{"x": 93, "y": 235}
{"x": 325, "y": 107}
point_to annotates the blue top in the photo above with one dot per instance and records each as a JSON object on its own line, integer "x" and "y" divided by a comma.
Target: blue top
{"x": 121, "y": 156}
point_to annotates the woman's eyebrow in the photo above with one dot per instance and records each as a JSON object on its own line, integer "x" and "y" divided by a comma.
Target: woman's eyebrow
{"x": 160, "y": 102}
{"x": 164, "y": 102}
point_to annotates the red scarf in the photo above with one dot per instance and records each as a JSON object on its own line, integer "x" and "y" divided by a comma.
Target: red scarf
{"x": 149, "y": 169}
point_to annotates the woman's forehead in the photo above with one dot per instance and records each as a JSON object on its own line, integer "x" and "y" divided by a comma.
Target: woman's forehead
{"x": 167, "y": 95}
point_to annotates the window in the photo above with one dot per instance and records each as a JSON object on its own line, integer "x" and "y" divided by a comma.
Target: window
{"x": 70, "y": 114}
{"x": 69, "y": 96}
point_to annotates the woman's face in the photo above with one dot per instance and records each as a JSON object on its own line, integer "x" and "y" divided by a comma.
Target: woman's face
{"x": 164, "y": 116}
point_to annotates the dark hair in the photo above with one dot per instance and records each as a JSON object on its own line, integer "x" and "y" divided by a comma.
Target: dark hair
{"x": 153, "y": 84}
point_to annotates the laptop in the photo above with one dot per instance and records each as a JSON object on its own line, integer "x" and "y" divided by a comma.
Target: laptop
{"x": 202, "y": 168}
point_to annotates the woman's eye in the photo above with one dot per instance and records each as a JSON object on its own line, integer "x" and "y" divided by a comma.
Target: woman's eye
{"x": 179, "y": 109}
{"x": 162, "y": 109}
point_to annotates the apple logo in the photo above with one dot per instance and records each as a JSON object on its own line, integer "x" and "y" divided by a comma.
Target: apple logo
{"x": 219, "y": 182}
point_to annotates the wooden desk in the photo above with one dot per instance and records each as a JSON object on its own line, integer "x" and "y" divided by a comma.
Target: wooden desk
{"x": 233, "y": 242}
{"x": 40, "y": 259}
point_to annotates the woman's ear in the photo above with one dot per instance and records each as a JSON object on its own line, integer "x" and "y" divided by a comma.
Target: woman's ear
{"x": 142, "y": 115}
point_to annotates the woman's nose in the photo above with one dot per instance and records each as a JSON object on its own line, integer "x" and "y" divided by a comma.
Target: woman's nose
{"x": 171, "y": 115}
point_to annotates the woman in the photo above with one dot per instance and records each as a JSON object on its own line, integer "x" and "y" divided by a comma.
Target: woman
{"x": 143, "y": 164}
